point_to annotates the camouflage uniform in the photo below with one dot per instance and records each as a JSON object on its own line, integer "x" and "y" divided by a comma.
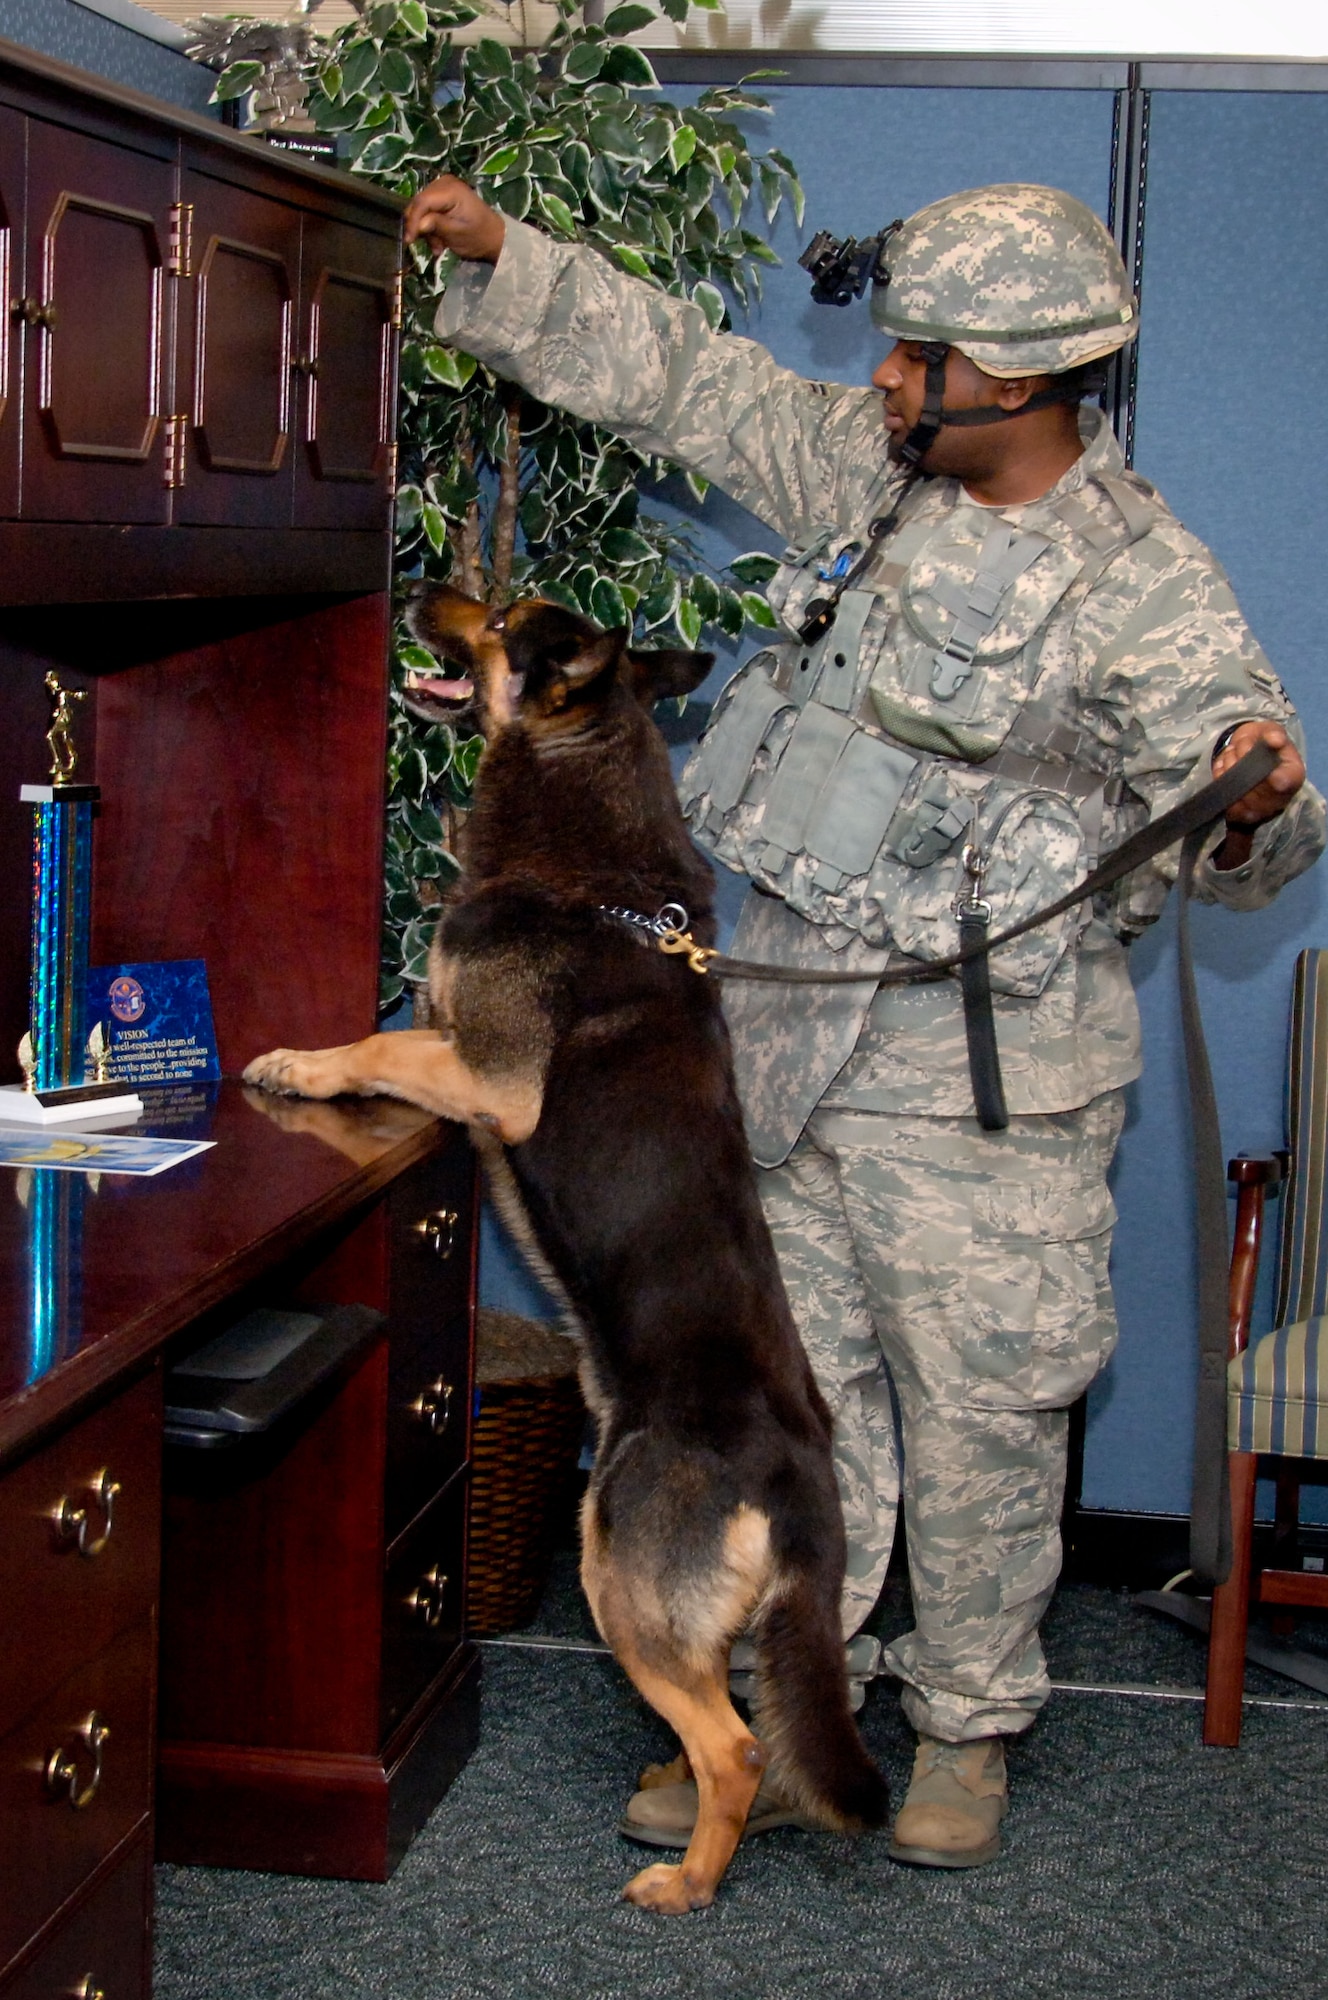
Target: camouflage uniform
{"x": 1031, "y": 682}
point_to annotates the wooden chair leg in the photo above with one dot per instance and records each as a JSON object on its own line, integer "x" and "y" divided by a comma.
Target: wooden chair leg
{"x": 1231, "y": 1614}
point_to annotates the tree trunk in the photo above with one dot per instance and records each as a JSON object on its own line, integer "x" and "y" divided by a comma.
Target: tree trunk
{"x": 509, "y": 497}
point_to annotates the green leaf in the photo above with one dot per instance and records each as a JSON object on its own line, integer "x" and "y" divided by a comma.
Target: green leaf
{"x": 681, "y": 147}
{"x": 584, "y": 62}
{"x": 396, "y": 73}
{"x": 756, "y": 567}
{"x": 731, "y": 616}
{"x": 607, "y": 606}
{"x": 412, "y": 775}
{"x": 698, "y": 483}
{"x": 487, "y": 58}
{"x": 466, "y": 761}
{"x": 435, "y": 527}
{"x": 688, "y": 621}
{"x": 235, "y": 79}
{"x": 498, "y": 163}
{"x": 558, "y": 213}
{"x": 661, "y": 600}
{"x": 358, "y": 64}
{"x": 627, "y": 19}
{"x": 612, "y": 133}
{"x": 415, "y": 944}
{"x": 711, "y": 302}
{"x": 417, "y": 657}
{"x": 409, "y": 502}
{"x": 631, "y": 260}
{"x": 758, "y": 612}
{"x": 413, "y": 19}
{"x": 513, "y": 197}
{"x": 622, "y": 545}
{"x": 560, "y": 593}
{"x": 705, "y": 596}
{"x": 630, "y": 67}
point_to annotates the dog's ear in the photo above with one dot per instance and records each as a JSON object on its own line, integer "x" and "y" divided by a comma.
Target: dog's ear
{"x": 598, "y": 655}
{"x": 667, "y": 670}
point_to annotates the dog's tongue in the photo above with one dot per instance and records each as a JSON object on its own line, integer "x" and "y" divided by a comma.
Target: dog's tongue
{"x": 436, "y": 687}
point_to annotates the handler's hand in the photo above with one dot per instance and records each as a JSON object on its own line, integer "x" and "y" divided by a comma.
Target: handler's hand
{"x": 452, "y": 217}
{"x": 1267, "y": 799}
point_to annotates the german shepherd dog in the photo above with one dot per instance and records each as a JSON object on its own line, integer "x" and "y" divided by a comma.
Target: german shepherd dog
{"x": 595, "y": 1074}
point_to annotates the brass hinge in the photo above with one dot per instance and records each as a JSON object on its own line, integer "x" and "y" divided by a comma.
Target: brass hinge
{"x": 180, "y": 260}
{"x": 392, "y": 467}
{"x": 398, "y": 288}
{"x": 176, "y": 431}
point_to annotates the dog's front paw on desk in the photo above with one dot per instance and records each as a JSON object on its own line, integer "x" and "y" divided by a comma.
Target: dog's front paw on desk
{"x": 302, "y": 1072}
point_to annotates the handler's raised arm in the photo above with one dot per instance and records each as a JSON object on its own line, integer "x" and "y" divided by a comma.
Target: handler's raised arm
{"x": 452, "y": 217}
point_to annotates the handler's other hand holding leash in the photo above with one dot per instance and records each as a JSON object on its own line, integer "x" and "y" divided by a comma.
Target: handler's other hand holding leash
{"x": 451, "y": 216}
{"x": 1267, "y": 799}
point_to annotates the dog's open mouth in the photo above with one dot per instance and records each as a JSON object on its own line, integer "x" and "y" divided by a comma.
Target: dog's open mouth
{"x": 438, "y": 697}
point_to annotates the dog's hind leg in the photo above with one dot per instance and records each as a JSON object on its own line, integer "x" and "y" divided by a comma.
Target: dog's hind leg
{"x": 681, "y": 1667}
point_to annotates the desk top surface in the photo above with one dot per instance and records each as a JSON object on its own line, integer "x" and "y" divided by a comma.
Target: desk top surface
{"x": 97, "y": 1273}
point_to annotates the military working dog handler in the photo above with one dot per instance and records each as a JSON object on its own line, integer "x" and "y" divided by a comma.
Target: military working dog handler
{"x": 1000, "y": 654}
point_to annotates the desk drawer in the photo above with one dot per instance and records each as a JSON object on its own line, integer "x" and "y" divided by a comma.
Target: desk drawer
{"x": 428, "y": 1417}
{"x": 104, "y": 1948}
{"x": 48, "y": 1846}
{"x": 432, "y": 1210}
{"x": 75, "y": 1601}
{"x": 423, "y": 1602}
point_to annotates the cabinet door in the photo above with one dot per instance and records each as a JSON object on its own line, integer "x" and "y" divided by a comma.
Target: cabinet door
{"x": 97, "y": 226}
{"x": 11, "y": 297}
{"x": 345, "y": 365}
{"x": 240, "y": 328}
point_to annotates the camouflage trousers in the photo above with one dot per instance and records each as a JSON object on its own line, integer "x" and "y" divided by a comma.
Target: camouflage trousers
{"x": 968, "y": 1271}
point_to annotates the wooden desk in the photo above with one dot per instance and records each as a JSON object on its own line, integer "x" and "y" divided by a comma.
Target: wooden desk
{"x": 316, "y": 1694}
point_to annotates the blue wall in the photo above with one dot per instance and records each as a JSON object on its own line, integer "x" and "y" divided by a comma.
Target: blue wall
{"x": 88, "y": 40}
{"x": 1233, "y": 427}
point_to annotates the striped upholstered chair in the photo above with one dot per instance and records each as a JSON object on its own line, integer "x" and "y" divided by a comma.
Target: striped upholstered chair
{"x": 1277, "y": 1385}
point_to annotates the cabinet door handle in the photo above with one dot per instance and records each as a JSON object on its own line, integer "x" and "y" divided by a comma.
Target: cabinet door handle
{"x": 88, "y": 1989}
{"x": 62, "y": 1773}
{"x": 307, "y": 365}
{"x": 428, "y": 1598}
{"x": 433, "y": 1406}
{"x": 439, "y": 1231}
{"x": 74, "y": 1525}
{"x": 34, "y": 313}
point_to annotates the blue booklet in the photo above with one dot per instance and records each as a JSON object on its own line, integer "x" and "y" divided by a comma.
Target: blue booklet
{"x": 157, "y": 1020}
{"x": 97, "y": 1152}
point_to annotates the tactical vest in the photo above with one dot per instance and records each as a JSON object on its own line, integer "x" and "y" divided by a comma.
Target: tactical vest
{"x": 918, "y": 754}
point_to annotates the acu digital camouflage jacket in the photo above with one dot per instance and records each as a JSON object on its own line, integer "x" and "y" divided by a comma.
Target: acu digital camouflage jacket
{"x": 1037, "y": 679}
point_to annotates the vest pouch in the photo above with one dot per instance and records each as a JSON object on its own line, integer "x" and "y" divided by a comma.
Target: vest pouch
{"x": 961, "y": 654}
{"x": 729, "y": 758}
{"x": 1034, "y": 849}
{"x": 799, "y": 581}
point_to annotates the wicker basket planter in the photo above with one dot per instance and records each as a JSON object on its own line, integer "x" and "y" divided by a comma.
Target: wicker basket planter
{"x": 527, "y": 1438}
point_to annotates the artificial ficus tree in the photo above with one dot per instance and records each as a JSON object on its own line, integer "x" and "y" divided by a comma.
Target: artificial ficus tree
{"x": 499, "y": 493}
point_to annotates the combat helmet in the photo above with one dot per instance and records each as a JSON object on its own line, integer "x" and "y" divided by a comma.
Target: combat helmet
{"x": 1024, "y": 280}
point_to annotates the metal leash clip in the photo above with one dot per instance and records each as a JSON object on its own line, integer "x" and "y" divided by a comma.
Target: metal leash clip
{"x": 698, "y": 955}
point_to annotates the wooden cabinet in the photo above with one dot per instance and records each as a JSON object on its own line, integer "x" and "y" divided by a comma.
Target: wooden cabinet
{"x": 282, "y": 1650}
{"x": 197, "y": 381}
{"x": 79, "y": 1541}
{"x": 200, "y": 348}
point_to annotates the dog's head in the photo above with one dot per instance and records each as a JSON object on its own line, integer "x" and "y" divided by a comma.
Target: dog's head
{"x": 534, "y": 662}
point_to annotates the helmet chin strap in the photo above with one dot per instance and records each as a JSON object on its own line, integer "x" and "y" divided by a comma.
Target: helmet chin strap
{"x": 934, "y": 416}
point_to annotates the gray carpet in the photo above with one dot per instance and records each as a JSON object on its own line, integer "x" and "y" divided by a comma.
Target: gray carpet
{"x": 1137, "y": 1865}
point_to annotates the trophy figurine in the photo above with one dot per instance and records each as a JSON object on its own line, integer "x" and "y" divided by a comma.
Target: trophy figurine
{"x": 64, "y": 1073}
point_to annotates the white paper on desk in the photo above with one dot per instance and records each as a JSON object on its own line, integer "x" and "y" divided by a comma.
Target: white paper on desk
{"x": 96, "y": 1152}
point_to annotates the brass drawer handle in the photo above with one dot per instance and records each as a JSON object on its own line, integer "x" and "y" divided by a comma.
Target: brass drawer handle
{"x": 62, "y": 1764}
{"x": 439, "y": 1231}
{"x": 433, "y": 1406}
{"x": 73, "y": 1525}
{"x": 307, "y": 365}
{"x": 87, "y": 1989}
{"x": 427, "y": 1598}
{"x": 35, "y": 313}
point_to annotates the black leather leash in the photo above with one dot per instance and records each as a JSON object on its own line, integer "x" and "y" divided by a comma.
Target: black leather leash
{"x": 1188, "y": 823}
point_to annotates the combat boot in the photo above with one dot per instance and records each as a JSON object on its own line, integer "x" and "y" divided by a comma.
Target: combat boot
{"x": 956, "y": 1802}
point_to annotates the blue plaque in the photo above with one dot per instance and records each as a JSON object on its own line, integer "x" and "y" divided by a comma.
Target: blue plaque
{"x": 157, "y": 1020}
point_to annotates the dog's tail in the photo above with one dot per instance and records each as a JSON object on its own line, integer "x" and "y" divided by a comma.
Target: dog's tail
{"x": 803, "y": 1716}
